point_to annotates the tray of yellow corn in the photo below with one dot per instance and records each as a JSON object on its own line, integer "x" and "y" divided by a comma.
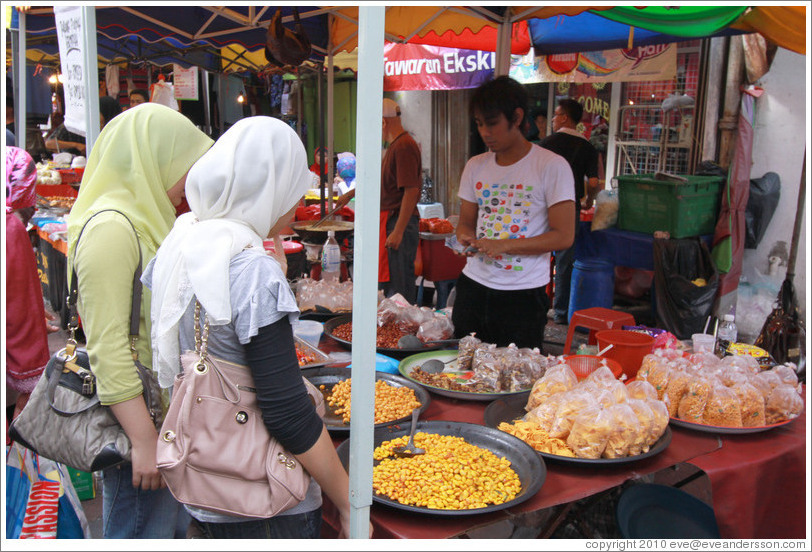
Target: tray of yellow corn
{"x": 467, "y": 469}
{"x": 395, "y": 397}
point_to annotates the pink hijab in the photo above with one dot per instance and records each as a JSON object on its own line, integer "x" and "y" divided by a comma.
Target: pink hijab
{"x": 21, "y": 179}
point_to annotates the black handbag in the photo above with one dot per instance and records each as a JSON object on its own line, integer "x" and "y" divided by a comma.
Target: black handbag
{"x": 63, "y": 419}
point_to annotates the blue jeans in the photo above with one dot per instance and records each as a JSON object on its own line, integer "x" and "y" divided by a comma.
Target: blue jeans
{"x": 306, "y": 525}
{"x": 564, "y": 261}
{"x": 130, "y": 513}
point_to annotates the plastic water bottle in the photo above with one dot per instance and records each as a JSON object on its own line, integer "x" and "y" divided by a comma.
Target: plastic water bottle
{"x": 726, "y": 335}
{"x": 330, "y": 259}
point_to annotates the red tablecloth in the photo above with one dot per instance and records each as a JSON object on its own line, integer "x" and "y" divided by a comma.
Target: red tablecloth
{"x": 758, "y": 480}
{"x": 759, "y": 483}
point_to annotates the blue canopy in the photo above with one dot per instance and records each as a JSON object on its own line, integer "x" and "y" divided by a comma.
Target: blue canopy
{"x": 589, "y": 32}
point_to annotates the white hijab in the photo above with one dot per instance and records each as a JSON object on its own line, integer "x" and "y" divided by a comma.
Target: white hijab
{"x": 237, "y": 191}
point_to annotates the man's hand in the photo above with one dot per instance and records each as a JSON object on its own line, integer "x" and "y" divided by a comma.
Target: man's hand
{"x": 394, "y": 239}
{"x": 50, "y": 317}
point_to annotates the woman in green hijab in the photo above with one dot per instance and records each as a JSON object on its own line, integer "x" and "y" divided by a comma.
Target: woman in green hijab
{"x": 138, "y": 166}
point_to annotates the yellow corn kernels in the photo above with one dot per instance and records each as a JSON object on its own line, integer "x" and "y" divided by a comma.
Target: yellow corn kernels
{"x": 452, "y": 475}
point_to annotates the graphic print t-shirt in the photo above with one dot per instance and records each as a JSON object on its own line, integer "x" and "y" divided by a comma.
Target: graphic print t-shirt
{"x": 513, "y": 203}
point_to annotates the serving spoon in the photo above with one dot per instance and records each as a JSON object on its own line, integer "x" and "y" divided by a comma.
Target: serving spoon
{"x": 410, "y": 341}
{"x": 435, "y": 365}
{"x": 409, "y": 450}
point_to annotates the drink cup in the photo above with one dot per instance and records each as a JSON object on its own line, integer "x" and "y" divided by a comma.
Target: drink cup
{"x": 703, "y": 343}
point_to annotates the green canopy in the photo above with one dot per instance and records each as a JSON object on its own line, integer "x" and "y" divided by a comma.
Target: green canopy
{"x": 688, "y": 21}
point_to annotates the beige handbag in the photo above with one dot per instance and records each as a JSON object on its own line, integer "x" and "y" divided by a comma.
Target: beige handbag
{"x": 214, "y": 450}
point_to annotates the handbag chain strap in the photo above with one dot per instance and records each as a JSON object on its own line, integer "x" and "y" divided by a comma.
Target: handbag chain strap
{"x": 201, "y": 338}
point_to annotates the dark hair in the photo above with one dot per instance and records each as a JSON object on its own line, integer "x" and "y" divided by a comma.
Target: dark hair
{"x": 109, "y": 107}
{"x": 572, "y": 109}
{"x": 141, "y": 92}
{"x": 538, "y": 112}
{"x": 500, "y": 95}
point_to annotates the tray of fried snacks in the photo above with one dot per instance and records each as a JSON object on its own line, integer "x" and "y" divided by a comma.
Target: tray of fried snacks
{"x": 395, "y": 397}
{"x": 731, "y": 395}
{"x": 479, "y": 372}
{"x": 467, "y": 469}
{"x": 308, "y": 355}
{"x": 595, "y": 421}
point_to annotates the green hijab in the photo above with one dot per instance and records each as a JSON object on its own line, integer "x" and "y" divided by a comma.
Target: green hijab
{"x": 138, "y": 157}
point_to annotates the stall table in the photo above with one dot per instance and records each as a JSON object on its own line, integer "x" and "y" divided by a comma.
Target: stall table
{"x": 758, "y": 480}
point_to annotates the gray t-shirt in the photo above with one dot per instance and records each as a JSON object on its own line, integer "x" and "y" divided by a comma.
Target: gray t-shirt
{"x": 260, "y": 296}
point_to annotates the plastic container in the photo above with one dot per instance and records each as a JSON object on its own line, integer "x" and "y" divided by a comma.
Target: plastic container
{"x": 703, "y": 343}
{"x": 682, "y": 209}
{"x": 330, "y": 259}
{"x": 629, "y": 348}
{"x": 592, "y": 285}
{"x": 309, "y": 330}
{"x": 583, "y": 365}
{"x": 726, "y": 335}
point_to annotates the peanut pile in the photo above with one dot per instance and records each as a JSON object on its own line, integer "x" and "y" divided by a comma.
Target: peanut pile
{"x": 452, "y": 475}
{"x": 391, "y": 402}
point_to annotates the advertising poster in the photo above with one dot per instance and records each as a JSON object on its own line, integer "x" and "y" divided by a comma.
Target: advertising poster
{"x": 69, "y": 30}
{"x": 641, "y": 63}
{"x": 421, "y": 67}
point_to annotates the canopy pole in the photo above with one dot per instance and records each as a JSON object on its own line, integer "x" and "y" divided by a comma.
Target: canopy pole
{"x": 20, "y": 107}
{"x": 503, "y": 37}
{"x": 369, "y": 104}
{"x": 330, "y": 123}
{"x": 92, "y": 122}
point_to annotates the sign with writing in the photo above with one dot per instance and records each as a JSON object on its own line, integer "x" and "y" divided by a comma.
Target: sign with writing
{"x": 69, "y": 30}
{"x": 641, "y": 63}
{"x": 185, "y": 81}
{"x": 421, "y": 67}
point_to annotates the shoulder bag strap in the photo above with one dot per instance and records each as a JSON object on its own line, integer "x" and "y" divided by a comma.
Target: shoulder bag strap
{"x": 135, "y": 310}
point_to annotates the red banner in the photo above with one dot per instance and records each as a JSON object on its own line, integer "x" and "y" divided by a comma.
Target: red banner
{"x": 421, "y": 67}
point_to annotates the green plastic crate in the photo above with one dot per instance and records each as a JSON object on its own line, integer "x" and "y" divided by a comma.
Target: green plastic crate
{"x": 684, "y": 209}
{"x": 82, "y": 483}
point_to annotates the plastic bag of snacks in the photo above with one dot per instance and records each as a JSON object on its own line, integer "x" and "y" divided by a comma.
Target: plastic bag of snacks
{"x": 722, "y": 408}
{"x": 591, "y": 428}
{"x": 557, "y": 379}
{"x": 783, "y": 403}
{"x": 627, "y": 432}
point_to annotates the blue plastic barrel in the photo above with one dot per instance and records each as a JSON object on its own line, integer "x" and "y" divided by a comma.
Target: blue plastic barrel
{"x": 592, "y": 285}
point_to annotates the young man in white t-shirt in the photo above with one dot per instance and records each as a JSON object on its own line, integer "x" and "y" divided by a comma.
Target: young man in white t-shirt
{"x": 517, "y": 205}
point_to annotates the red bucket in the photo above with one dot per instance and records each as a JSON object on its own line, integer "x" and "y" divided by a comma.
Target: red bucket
{"x": 629, "y": 348}
{"x": 584, "y": 365}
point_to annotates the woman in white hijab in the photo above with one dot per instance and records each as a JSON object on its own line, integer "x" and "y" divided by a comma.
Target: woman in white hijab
{"x": 243, "y": 190}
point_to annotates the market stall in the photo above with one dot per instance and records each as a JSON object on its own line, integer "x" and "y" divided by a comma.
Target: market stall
{"x": 754, "y": 477}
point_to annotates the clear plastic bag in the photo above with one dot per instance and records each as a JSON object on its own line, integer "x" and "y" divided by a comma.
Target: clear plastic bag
{"x": 607, "y": 205}
{"x": 660, "y": 420}
{"x": 723, "y": 408}
{"x": 627, "y": 431}
{"x": 677, "y": 387}
{"x": 590, "y": 432}
{"x": 566, "y": 413}
{"x": 438, "y": 327}
{"x": 544, "y": 413}
{"x": 333, "y": 296}
{"x": 752, "y": 405}
{"x": 783, "y": 403}
{"x": 692, "y": 405}
{"x": 645, "y": 417}
{"x": 465, "y": 351}
{"x": 639, "y": 389}
{"x": 602, "y": 377}
{"x": 556, "y": 380}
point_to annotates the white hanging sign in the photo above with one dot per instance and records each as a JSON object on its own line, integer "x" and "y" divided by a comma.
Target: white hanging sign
{"x": 185, "y": 81}
{"x": 70, "y": 34}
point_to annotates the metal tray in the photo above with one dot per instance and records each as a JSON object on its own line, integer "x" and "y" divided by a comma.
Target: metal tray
{"x": 333, "y": 323}
{"x": 725, "y": 430}
{"x": 321, "y": 358}
{"x": 414, "y": 361}
{"x": 528, "y": 466}
{"x": 512, "y": 408}
{"x": 329, "y": 376}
